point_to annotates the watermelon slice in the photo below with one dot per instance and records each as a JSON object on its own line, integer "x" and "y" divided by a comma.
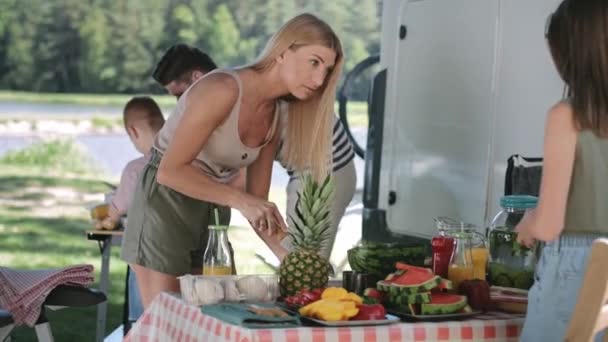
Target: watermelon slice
{"x": 411, "y": 281}
{"x": 391, "y": 276}
{"x": 403, "y": 267}
{"x": 443, "y": 303}
{"x": 445, "y": 285}
{"x": 403, "y": 299}
{"x": 406, "y": 267}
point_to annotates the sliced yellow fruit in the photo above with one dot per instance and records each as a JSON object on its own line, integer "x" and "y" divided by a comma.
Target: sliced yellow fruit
{"x": 334, "y": 293}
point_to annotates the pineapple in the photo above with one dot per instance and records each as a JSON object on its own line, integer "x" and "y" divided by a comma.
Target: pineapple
{"x": 304, "y": 267}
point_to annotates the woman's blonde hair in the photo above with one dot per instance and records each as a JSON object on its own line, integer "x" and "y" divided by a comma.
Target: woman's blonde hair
{"x": 309, "y": 124}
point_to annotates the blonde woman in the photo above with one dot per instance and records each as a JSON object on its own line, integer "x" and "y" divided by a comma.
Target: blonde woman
{"x": 226, "y": 120}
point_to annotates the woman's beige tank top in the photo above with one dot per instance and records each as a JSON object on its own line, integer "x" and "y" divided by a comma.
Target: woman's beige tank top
{"x": 224, "y": 153}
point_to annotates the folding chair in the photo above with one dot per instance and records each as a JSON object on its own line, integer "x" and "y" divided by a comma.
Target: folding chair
{"x": 61, "y": 296}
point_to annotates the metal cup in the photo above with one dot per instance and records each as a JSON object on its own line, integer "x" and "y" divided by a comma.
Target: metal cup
{"x": 361, "y": 282}
{"x": 347, "y": 280}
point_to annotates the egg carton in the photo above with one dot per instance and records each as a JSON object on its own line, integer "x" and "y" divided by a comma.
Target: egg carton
{"x": 205, "y": 290}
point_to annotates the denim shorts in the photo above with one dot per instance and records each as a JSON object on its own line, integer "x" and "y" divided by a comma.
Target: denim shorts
{"x": 136, "y": 307}
{"x": 557, "y": 282}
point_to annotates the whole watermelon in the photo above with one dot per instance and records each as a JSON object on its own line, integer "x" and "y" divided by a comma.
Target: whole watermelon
{"x": 379, "y": 259}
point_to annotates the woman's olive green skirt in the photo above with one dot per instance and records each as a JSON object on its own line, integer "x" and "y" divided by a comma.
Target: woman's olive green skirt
{"x": 167, "y": 230}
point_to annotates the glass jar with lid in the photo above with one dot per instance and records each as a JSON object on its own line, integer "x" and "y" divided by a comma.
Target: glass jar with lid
{"x": 444, "y": 244}
{"x": 461, "y": 264}
{"x": 511, "y": 264}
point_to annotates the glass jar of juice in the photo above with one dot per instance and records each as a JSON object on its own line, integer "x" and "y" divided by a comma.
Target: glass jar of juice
{"x": 442, "y": 246}
{"x": 217, "y": 259}
{"x": 462, "y": 266}
{"x": 480, "y": 255}
{"x": 511, "y": 264}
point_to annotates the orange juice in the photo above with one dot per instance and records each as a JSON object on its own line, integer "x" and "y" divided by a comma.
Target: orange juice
{"x": 458, "y": 273}
{"x": 480, "y": 257}
{"x": 217, "y": 270}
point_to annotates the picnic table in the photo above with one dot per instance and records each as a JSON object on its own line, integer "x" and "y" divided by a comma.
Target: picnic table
{"x": 169, "y": 318}
{"x": 105, "y": 239}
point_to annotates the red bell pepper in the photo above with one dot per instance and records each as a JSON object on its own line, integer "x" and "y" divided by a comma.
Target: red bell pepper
{"x": 369, "y": 312}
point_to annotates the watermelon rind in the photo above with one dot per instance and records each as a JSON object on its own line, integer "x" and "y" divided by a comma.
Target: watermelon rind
{"x": 442, "y": 308}
{"x": 445, "y": 284}
{"x": 378, "y": 259}
{"x": 401, "y": 299}
{"x": 426, "y": 286}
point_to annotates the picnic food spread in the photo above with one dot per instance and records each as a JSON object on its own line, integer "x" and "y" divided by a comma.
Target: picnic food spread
{"x": 100, "y": 214}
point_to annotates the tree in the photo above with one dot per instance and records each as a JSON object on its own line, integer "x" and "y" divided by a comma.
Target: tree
{"x": 20, "y": 38}
{"x": 224, "y": 37}
{"x": 93, "y": 65}
{"x": 59, "y": 45}
{"x": 113, "y": 45}
{"x": 184, "y": 20}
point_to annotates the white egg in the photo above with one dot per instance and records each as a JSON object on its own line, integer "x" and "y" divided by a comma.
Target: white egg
{"x": 208, "y": 291}
{"x": 253, "y": 288}
{"x": 186, "y": 285}
{"x": 231, "y": 293}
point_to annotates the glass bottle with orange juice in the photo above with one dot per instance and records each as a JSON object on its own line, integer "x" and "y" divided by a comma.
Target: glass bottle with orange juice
{"x": 480, "y": 255}
{"x": 217, "y": 259}
{"x": 461, "y": 265}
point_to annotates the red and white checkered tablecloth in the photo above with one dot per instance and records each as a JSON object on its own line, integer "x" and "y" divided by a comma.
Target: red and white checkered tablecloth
{"x": 22, "y": 292}
{"x": 171, "y": 319}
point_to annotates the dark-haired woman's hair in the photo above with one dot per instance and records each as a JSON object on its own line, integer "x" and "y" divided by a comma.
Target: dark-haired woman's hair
{"x": 179, "y": 61}
{"x": 577, "y": 34}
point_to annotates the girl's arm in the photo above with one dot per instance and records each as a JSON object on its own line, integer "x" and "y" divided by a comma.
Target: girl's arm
{"x": 546, "y": 222}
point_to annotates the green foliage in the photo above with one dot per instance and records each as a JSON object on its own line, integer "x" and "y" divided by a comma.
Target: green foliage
{"x": 55, "y": 155}
{"x": 112, "y": 46}
{"x": 184, "y": 19}
{"x": 224, "y": 36}
{"x": 106, "y": 122}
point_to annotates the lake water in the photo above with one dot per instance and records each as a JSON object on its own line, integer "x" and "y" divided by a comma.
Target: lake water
{"x": 20, "y": 109}
{"x": 111, "y": 152}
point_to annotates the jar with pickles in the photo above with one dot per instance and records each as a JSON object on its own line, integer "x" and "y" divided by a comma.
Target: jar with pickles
{"x": 511, "y": 264}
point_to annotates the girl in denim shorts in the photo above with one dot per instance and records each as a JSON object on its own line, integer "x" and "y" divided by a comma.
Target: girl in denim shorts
{"x": 572, "y": 210}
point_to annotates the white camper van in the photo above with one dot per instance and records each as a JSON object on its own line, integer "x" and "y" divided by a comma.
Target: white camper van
{"x": 463, "y": 85}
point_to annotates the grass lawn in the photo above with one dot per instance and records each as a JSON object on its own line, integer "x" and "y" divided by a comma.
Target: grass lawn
{"x": 42, "y": 224}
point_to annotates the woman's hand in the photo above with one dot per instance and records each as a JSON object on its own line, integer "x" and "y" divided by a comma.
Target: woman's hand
{"x": 523, "y": 229}
{"x": 261, "y": 214}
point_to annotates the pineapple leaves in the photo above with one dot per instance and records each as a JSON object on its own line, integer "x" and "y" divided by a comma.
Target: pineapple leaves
{"x": 312, "y": 220}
